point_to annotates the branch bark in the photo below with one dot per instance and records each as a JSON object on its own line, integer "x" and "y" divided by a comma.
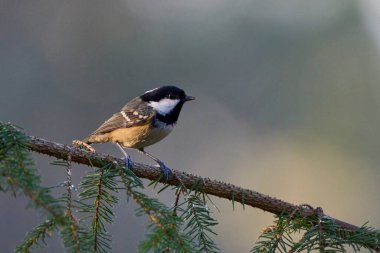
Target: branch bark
{"x": 209, "y": 186}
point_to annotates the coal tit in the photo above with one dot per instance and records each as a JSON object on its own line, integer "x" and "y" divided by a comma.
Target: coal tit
{"x": 142, "y": 122}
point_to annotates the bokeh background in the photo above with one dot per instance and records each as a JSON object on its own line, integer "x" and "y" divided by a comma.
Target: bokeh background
{"x": 287, "y": 99}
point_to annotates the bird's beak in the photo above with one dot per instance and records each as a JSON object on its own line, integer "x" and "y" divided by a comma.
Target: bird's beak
{"x": 189, "y": 98}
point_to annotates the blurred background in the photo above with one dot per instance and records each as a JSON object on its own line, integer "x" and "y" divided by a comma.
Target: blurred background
{"x": 287, "y": 99}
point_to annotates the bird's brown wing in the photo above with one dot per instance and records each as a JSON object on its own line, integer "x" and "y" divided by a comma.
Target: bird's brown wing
{"x": 134, "y": 113}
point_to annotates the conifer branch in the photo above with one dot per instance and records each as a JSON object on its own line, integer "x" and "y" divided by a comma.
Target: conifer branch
{"x": 36, "y": 197}
{"x": 178, "y": 194}
{"x": 39, "y": 233}
{"x": 206, "y": 185}
{"x": 73, "y": 220}
{"x": 74, "y": 237}
{"x": 99, "y": 188}
{"x": 164, "y": 227}
{"x": 69, "y": 187}
{"x": 96, "y": 215}
{"x": 137, "y": 196}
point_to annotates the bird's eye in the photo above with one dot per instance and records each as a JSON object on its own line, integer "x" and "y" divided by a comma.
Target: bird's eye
{"x": 171, "y": 96}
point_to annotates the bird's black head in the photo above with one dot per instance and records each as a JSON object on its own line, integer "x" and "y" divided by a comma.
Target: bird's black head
{"x": 167, "y": 101}
{"x": 168, "y": 92}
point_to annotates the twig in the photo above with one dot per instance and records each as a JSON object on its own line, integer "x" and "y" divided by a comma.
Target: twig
{"x": 319, "y": 214}
{"x": 96, "y": 214}
{"x": 69, "y": 186}
{"x": 178, "y": 194}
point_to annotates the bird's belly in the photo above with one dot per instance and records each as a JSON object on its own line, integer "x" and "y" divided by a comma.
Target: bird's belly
{"x": 155, "y": 135}
{"x": 139, "y": 136}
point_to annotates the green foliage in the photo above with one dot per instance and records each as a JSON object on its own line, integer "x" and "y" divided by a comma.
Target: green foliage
{"x": 313, "y": 235}
{"x": 195, "y": 217}
{"x": 76, "y": 237}
{"x": 164, "y": 233}
{"x": 99, "y": 187}
{"x": 37, "y": 235}
{"x": 18, "y": 174}
{"x": 199, "y": 222}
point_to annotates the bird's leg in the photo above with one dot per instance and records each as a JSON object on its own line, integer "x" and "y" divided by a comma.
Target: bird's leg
{"x": 164, "y": 169}
{"x": 127, "y": 159}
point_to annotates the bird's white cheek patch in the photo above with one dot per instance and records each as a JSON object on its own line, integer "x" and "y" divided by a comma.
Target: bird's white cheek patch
{"x": 165, "y": 105}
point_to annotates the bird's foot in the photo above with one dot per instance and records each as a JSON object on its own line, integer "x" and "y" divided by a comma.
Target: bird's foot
{"x": 79, "y": 143}
{"x": 166, "y": 172}
{"x": 128, "y": 163}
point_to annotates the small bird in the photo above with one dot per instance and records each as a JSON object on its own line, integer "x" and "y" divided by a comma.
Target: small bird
{"x": 143, "y": 121}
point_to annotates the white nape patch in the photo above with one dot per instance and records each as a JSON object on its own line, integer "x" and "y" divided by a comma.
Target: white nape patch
{"x": 165, "y": 105}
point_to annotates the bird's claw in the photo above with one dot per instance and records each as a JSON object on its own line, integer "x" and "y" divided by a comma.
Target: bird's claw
{"x": 165, "y": 170}
{"x": 79, "y": 143}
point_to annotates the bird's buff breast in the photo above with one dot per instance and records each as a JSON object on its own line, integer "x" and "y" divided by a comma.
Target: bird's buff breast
{"x": 139, "y": 136}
